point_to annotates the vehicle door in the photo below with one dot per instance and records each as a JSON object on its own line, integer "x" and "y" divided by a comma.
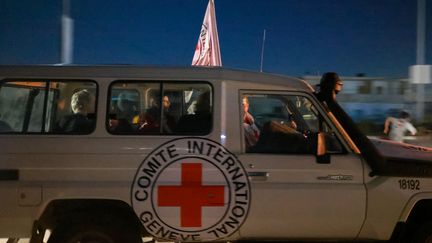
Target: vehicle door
{"x": 293, "y": 194}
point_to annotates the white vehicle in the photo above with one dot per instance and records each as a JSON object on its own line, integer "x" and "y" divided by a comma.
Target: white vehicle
{"x": 117, "y": 153}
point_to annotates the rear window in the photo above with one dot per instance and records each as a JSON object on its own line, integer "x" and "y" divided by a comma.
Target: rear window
{"x": 47, "y": 106}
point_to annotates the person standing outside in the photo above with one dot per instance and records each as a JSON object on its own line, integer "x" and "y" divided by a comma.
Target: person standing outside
{"x": 396, "y": 128}
{"x": 330, "y": 85}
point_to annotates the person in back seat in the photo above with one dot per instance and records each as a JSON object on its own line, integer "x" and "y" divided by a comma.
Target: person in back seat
{"x": 168, "y": 120}
{"x": 199, "y": 123}
{"x": 151, "y": 122}
{"x": 122, "y": 115}
{"x": 78, "y": 122}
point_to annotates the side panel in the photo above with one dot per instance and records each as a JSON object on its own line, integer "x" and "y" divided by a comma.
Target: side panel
{"x": 388, "y": 204}
{"x": 293, "y": 202}
{"x": 50, "y": 167}
{"x": 63, "y": 168}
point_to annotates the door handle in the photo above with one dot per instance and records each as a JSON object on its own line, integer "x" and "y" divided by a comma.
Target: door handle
{"x": 258, "y": 175}
{"x": 336, "y": 178}
{"x": 9, "y": 175}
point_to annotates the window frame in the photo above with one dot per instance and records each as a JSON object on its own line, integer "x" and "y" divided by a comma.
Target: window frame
{"x": 317, "y": 105}
{"x": 162, "y": 83}
{"x": 47, "y": 82}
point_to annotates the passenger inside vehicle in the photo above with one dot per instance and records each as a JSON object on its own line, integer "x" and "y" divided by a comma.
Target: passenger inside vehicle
{"x": 201, "y": 121}
{"x": 78, "y": 122}
{"x": 149, "y": 108}
{"x": 168, "y": 120}
{"x": 149, "y": 121}
{"x": 251, "y": 131}
{"x": 122, "y": 114}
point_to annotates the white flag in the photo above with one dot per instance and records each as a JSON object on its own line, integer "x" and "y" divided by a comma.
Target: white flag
{"x": 207, "y": 52}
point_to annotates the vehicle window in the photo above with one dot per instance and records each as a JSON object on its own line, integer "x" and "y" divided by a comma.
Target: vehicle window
{"x": 283, "y": 124}
{"x": 47, "y": 107}
{"x": 160, "y": 108}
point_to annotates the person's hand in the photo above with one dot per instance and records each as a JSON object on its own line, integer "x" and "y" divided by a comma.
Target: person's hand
{"x": 248, "y": 119}
{"x": 113, "y": 123}
{"x": 293, "y": 125}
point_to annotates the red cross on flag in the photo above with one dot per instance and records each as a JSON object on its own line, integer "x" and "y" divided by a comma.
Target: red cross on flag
{"x": 207, "y": 52}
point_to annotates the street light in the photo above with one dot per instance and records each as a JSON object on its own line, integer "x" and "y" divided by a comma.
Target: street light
{"x": 66, "y": 55}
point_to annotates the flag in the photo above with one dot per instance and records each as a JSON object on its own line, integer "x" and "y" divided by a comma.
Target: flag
{"x": 207, "y": 52}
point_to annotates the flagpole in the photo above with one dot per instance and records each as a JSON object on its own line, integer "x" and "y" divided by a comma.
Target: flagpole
{"x": 262, "y": 50}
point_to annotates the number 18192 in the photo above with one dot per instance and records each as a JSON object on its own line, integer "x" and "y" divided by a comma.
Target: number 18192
{"x": 409, "y": 184}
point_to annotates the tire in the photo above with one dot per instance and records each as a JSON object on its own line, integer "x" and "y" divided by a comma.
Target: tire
{"x": 423, "y": 234}
{"x": 95, "y": 232}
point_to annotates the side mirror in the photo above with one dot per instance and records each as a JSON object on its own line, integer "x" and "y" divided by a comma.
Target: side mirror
{"x": 322, "y": 157}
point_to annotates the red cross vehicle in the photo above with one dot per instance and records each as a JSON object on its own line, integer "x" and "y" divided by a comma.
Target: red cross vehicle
{"x": 119, "y": 154}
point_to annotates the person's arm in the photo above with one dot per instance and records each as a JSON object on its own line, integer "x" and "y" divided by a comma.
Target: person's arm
{"x": 387, "y": 125}
{"x": 411, "y": 128}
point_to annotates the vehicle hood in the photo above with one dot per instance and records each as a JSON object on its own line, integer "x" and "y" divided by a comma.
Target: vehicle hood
{"x": 392, "y": 149}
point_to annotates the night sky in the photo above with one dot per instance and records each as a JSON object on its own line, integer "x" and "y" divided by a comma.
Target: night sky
{"x": 375, "y": 37}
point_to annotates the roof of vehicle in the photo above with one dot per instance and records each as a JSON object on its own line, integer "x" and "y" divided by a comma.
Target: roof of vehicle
{"x": 149, "y": 72}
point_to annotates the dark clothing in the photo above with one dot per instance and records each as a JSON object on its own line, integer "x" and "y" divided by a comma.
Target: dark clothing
{"x": 324, "y": 97}
{"x": 198, "y": 124}
{"x": 281, "y": 138}
{"x": 168, "y": 123}
{"x": 123, "y": 127}
{"x": 152, "y": 122}
{"x": 75, "y": 124}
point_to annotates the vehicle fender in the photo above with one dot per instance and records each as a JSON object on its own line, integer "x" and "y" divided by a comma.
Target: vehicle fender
{"x": 412, "y": 203}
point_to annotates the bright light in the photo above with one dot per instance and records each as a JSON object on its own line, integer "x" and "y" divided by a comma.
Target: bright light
{"x": 223, "y": 139}
{"x": 47, "y": 235}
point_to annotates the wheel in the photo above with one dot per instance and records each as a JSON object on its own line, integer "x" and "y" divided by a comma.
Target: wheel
{"x": 423, "y": 234}
{"x": 100, "y": 231}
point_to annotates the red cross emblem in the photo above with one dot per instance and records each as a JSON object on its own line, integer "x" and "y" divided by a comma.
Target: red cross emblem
{"x": 191, "y": 195}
